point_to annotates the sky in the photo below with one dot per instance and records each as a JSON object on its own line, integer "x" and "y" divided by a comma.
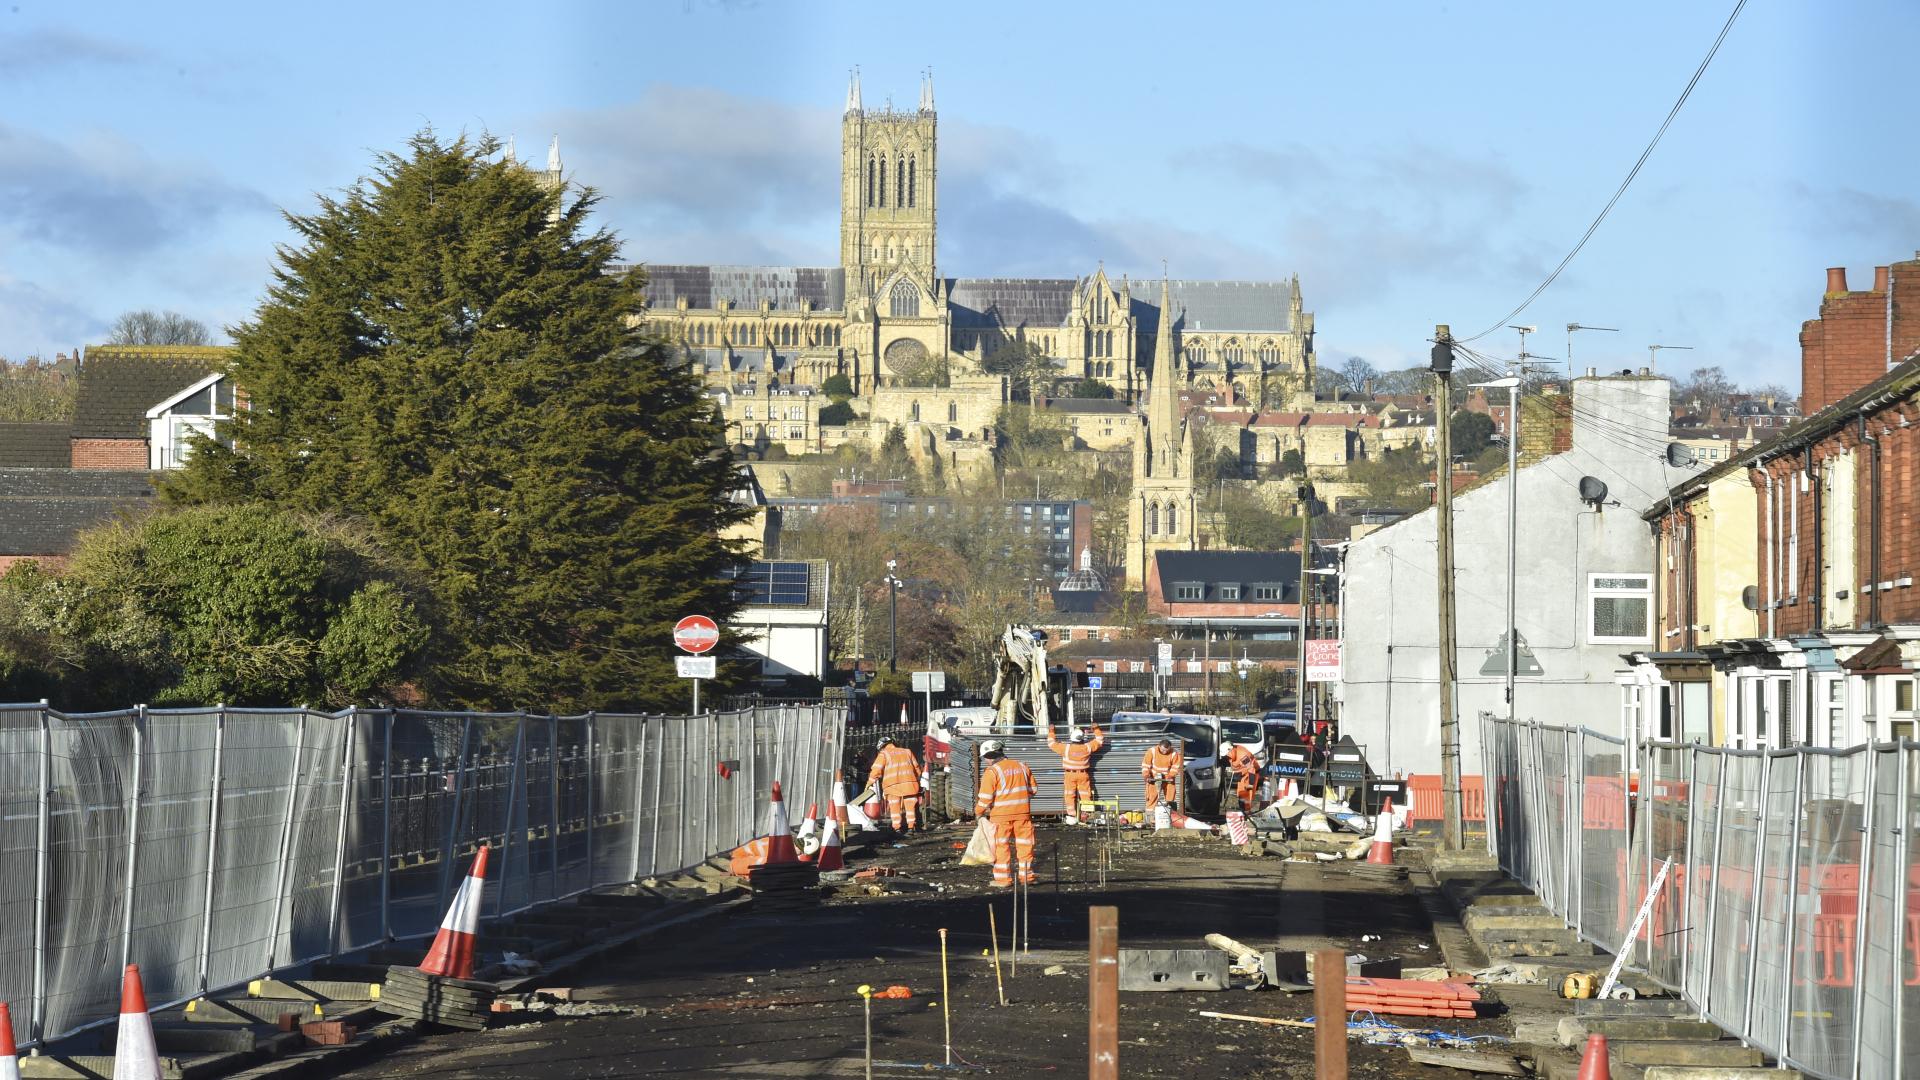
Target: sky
{"x": 1414, "y": 163}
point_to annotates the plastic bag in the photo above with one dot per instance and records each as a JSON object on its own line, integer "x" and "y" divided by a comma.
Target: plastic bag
{"x": 980, "y": 847}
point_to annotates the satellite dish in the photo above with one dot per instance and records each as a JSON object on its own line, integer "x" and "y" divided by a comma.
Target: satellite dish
{"x": 1593, "y": 490}
{"x": 1679, "y": 456}
{"x": 1750, "y": 598}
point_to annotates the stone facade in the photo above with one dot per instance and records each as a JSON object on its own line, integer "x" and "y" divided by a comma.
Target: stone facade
{"x": 762, "y": 417}
{"x": 886, "y": 309}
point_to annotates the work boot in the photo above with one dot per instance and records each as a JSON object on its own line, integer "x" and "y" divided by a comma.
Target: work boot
{"x": 1071, "y": 820}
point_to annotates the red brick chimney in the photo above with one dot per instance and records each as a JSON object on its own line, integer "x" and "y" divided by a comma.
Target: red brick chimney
{"x": 1858, "y": 335}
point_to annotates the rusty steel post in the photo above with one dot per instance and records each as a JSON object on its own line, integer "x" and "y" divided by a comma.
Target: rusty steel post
{"x": 1103, "y": 993}
{"x": 1330, "y": 1014}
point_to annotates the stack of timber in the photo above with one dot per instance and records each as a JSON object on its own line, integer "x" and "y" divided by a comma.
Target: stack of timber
{"x": 785, "y": 886}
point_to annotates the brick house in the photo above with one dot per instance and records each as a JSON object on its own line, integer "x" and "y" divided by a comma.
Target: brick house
{"x": 136, "y": 403}
{"x": 1786, "y": 601}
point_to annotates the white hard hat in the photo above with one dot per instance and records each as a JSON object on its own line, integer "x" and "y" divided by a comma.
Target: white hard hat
{"x": 990, "y": 748}
{"x": 1082, "y": 735}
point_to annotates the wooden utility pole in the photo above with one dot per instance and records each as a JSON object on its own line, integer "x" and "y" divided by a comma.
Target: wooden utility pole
{"x": 1306, "y": 567}
{"x": 1451, "y": 832}
{"x": 1330, "y": 1014}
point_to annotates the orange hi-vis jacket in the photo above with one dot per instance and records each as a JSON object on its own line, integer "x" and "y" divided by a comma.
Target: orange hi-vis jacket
{"x": 897, "y": 773}
{"x": 1158, "y": 765}
{"x": 1242, "y": 761}
{"x": 1077, "y": 756}
{"x": 1006, "y": 791}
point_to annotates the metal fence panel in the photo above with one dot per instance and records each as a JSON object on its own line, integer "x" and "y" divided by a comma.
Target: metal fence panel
{"x": 1734, "y": 884}
{"x": 1667, "y": 828}
{"x": 1703, "y": 877}
{"x": 1883, "y": 923}
{"x": 1604, "y": 871}
{"x": 170, "y": 873}
{"x": 1767, "y": 1012}
{"x": 20, "y": 792}
{"x": 1821, "y": 1028}
{"x": 87, "y": 859}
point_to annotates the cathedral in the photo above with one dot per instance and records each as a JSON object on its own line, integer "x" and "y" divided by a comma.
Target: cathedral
{"x": 904, "y": 335}
{"x": 885, "y": 313}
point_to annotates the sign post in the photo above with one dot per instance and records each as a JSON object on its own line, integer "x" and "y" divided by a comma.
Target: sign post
{"x": 1323, "y": 660}
{"x": 930, "y": 683}
{"x": 696, "y": 634}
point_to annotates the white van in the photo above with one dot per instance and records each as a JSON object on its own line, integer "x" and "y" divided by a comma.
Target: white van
{"x": 1200, "y": 742}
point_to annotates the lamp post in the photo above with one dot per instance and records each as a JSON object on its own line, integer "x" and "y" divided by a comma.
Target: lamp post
{"x": 1512, "y": 384}
{"x": 893, "y": 583}
{"x": 1305, "y": 493}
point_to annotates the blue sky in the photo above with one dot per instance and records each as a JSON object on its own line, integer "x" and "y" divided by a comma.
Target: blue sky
{"x": 1414, "y": 163}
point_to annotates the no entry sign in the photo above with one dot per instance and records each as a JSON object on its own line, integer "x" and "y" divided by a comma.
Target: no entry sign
{"x": 696, "y": 634}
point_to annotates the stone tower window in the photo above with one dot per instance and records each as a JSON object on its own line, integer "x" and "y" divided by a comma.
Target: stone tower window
{"x": 904, "y": 300}
{"x": 1173, "y": 519}
{"x": 869, "y": 179}
{"x": 900, "y": 180}
{"x": 1100, "y": 306}
{"x": 1153, "y": 519}
{"x": 953, "y": 412}
{"x": 913, "y": 181}
{"x": 883, "y": 183}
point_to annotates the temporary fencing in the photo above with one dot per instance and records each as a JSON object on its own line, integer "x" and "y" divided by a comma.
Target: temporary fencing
{"x": 1790, "y": 915}
{"x": 215, "y": 846}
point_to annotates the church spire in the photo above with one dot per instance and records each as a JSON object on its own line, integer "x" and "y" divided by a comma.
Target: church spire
{"x": 1162, "y": 413}
{"x": 853, "y": 91}
{"x": 553, "y": 156}
{"x": 926, "y": 91}
{"x": 511, "y": 158}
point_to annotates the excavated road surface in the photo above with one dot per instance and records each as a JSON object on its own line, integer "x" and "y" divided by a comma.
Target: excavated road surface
{"x": 761, "y": 995}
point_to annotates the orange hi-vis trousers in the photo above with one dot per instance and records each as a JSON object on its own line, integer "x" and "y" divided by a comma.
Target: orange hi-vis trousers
{"x": 904, "y": 808}
{"x": 1158, "y": 789}
{"x": 1012, "y": 843}
{"x": 1078, "y": 788}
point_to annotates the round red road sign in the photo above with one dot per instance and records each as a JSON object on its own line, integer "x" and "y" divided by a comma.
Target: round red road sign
{"x": 696, "y": 634}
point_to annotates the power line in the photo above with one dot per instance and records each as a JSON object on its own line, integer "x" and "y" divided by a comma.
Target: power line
{"x": 1622, "y": 190}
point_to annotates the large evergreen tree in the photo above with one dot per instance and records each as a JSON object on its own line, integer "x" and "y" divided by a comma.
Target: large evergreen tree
{"x": 446, "y": 355}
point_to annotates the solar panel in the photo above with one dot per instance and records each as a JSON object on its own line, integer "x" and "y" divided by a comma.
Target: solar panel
{"x": 774, "y": 584}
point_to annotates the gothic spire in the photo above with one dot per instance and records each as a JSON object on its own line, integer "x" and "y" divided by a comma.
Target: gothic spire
{"x": 553, "y": 155}
{"x": 1162, "y": 413}
{"x": 853, "y": 91}
{"x": 511, "y": 157}
{"x": 926, "y": 91}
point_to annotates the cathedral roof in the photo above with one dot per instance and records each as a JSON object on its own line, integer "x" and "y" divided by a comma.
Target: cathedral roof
{"x": 746, "y": 286}
{"x": 1011, "y": 302}
{"x": 1220, "y": 307}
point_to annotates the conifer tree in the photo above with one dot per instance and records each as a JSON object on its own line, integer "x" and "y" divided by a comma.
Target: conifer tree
{"x": 446, "y": 355}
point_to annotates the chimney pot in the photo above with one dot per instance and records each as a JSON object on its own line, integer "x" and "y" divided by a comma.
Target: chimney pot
{"x": 1591, "y": 372}
{"x": 1836, "y": 279}
{"x": 1881, "y": 275}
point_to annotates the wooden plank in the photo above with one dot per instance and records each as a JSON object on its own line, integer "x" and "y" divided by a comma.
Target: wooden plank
{"x": 1468, "y": 1060}
{"x": 1329, "y": 1002}
{"x": 1103, "y": 993}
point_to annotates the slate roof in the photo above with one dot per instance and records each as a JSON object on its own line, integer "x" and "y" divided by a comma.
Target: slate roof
{"x": 1010, "y": 302}
{"x": 1243, "y": 568}
{"x": 119, "y": 383}
{"x": 43, "y": 510}
{"x": 1224, "y": 307}
{"x": 29, "y": 445}
{"x": 746, "y": 286}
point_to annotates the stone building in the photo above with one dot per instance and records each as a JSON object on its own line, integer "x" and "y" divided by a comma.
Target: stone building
{"x": 885, "y": 312}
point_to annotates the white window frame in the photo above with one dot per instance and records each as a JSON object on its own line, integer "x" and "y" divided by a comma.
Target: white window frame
{"x": 1594, "y": 594}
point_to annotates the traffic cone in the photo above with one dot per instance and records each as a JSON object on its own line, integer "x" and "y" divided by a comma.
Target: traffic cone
{"x": 780, "y": 847}
{"x": 1381, "y": 853}
{"x": 830, "y": 857}
{"x": 134, "y": 1055}
{"x": 452, "y": 953}
{"x": 840, "y": 813}
{"x": 9, "y": 1057}
{"x": 807, "y": 825}
{"x": 1179, "y": 820}
{"x": 1593, "y": 1063}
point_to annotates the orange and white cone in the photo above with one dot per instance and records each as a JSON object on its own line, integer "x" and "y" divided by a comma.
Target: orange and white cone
{"x": 452, "y": 953}
{"x": 808, "y": 824}
{"x": 840, "y": 813}
{"x": 830, "y": 856}
{"x": 9, "y": 1057}
{"x": 780, "y": 847}
{"x": 1593, "y": 1063}
{"x": 134, "y": 1055}
{"x": 1381, "y": 853}
{"x": 1178, "y": 820}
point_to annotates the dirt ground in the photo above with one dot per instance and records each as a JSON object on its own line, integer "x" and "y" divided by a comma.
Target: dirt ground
{"x": 761, "y": 995}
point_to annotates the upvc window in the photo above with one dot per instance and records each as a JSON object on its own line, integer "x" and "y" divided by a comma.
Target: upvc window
{"x": 1619, "y": 609}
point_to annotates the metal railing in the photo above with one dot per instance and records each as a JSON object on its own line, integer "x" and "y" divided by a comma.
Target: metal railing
{"x": 1788, "y": 916}
{"x": 215, "y": 846}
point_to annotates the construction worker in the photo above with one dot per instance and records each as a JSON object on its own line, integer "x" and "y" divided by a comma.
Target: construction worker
{"x": 1160, "y": 767}
{"x": 1006, "y": 803}
{"x": 1076, "y": 756}
{"x": 1246, "y": 775}
{"x": 896, "y": 776}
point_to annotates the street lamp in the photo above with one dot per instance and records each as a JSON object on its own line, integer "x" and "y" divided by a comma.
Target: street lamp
{"x": 893, "y": 583}
{"x": 1512, "y": 383}
{"x": 1305, "y": 494}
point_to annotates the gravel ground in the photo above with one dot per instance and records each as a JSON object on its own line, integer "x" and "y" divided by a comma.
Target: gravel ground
{"x": 760, "y": 995}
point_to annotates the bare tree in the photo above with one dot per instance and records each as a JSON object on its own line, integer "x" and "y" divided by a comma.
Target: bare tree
{"x": 1358, "y": 375}
{"x": 1706, "y": 386}
{"x": 150, "y": 327}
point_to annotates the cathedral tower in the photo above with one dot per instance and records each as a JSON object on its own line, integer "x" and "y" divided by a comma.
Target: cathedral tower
{"x": 1160, "y": 516}
{"x": 887, "y": 202}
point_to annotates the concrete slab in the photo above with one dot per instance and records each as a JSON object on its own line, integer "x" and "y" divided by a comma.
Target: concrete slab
{"x": 1707, "y": 1072}
{"x": 1173, "y": 969}
{"x": 1649, "y": 1029}
{"x": 1723, "y": 1053}
{"x": 1675, "y": 1007}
